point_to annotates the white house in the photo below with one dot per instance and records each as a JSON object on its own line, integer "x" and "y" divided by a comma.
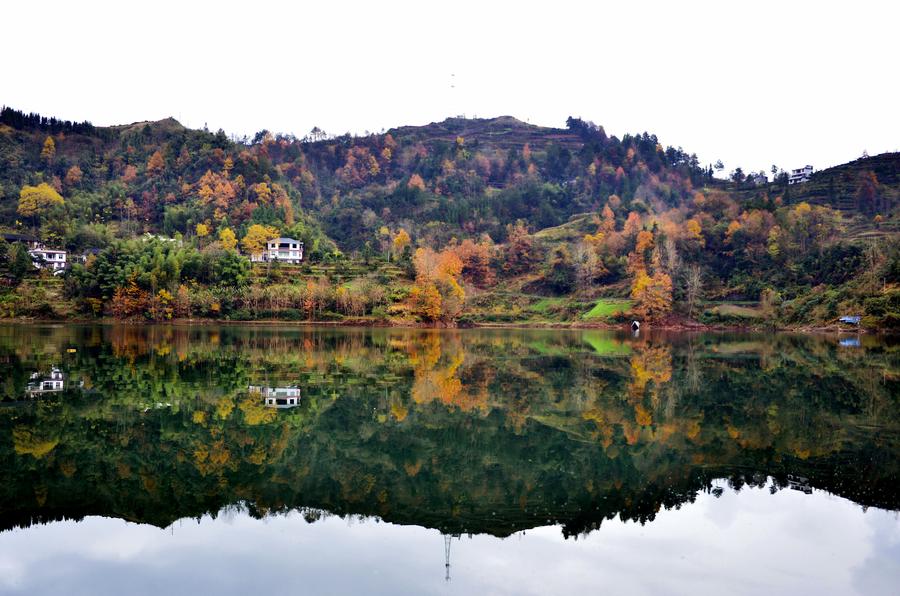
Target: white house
{"x": 285, "y": 250}
{"x": 800, "y": 175}
{"x": 278, "y": 397}
{"x": 48, "y": 258}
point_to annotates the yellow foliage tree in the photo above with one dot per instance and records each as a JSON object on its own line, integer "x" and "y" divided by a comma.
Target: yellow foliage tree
{"x": 35, "y": 200}
{"x": 426, "y": 300}
{"x": 437, "y": 294}
{"x": 257, "y": 235}
{"x": 228, "y": 239}
{"x": 202, "y": 230}
{"x": 49, "y": 150}
{"x": 652, "y": 295}
{"x": 401, "y": 241}
{"x": 695, "y": 232}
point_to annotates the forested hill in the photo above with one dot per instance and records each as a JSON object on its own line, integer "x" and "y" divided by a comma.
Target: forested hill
{"x": 457, "y": 178}
{"x": 478, "y": 218}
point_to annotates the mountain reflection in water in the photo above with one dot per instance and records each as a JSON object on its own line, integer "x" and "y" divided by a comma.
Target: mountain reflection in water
{"x": 466, "y": 432}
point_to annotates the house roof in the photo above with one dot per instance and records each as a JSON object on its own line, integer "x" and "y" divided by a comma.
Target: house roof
{"x": 285, "y": 241}
{"x": 13, "y": 237}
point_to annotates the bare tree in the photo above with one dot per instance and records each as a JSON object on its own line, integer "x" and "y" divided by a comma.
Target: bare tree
{"x": 693, "y": 286}
{"x": 588, "y": 266}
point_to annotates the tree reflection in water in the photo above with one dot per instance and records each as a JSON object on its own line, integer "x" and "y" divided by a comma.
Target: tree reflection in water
{"x": 469, "y": 431}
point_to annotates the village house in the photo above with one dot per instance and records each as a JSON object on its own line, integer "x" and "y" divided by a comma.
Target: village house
{"x": 48, "y": 258}
{"x": 284, "y": 250}
{"x": 800, "y": 175}
{"x": 758, "y": 178}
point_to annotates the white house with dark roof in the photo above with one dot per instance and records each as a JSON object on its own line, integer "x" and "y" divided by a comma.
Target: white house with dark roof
{"x": 48, "y": 258}
{"x": 800, "y": 175}
{"x": 284, "y": 250}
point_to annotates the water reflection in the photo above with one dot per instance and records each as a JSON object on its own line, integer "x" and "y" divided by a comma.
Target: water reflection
{"x": 50, "y": 382}
{"x": 481, "y": 432}
{"x": 277, "y": 397}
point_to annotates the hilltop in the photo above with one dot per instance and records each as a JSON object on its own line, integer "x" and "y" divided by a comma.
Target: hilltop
{"x": 465, "y": 219}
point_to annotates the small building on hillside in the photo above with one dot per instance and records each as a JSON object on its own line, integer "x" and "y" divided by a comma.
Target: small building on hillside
{"x": 48, "y": 258}
{"x": 85, "y": 255}
{"x": 758, "y": 178}
{"x": 284, "y": 250}
{"x": 800, "y": 175}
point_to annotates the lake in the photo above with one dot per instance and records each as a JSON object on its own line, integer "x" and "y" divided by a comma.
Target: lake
{"x": 285, "y": 460}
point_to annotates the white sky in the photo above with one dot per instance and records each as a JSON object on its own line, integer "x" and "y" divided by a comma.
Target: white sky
{"x": 752, "y": 83}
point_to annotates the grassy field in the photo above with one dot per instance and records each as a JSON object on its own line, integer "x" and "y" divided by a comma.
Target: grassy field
{"x": 607, "y": 307}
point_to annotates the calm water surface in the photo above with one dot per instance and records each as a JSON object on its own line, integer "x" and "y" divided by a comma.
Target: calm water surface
{"x": 231, "y": 460}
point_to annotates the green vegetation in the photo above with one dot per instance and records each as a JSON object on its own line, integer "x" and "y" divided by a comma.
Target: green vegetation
{"x": 466, "y": 221}
{"x": 608, "y": 308}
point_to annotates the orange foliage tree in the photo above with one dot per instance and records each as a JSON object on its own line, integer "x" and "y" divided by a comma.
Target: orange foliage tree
{"x": 437, "y": 295}
{"x": 652, "y": 295}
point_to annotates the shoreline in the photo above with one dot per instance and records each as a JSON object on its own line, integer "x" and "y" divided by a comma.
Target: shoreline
{"x": 368, "y": 323}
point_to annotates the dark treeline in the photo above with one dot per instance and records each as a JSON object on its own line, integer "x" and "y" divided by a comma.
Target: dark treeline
{"x": 33, "y": 121}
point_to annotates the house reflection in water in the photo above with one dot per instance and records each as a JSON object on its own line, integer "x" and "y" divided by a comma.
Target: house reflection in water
{"x": 278, "y": 397}
{"x": 41, "y": 383}
{"x": 799, "y": 483}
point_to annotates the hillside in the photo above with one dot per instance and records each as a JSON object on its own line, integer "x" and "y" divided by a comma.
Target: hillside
{"x": 473, "y": 218}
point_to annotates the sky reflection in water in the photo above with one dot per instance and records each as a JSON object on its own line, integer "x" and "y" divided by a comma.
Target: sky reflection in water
{"x": 741, "y": 543}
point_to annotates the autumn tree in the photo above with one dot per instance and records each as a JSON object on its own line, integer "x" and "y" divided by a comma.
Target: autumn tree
{"x": 74, "y": 176}
{"x": 695, "y": 233}
{"x": 49, "y": 150}
{"x": 156, "y": 164}
{"x": 255, "y": 239}
{"x": 476, "y": 261}
{"x": 129, "y": 175}
{"x": 652, "y": 295}
{"x": 437, "y": 294}
{"x": 632, "y": 224}
{"x": 608, "y": 223}
{"x": 416, "y": 182}
{"x": 34, "y": 201}
{"x": 202, "y": 230}
{"x": 520, "y": 254}
{"x": 401, "y": 240}
{"x": 227, "y": 238}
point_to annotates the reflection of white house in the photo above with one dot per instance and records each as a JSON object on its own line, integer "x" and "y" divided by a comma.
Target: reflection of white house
{"x": 49, "y": 383}
{"x": 48, "y": 258}
{"x": 285, "y": 250}
{"x": 799, "y": 483}
{"x": 800, "y": 175}
{"x": 278, "y": 397}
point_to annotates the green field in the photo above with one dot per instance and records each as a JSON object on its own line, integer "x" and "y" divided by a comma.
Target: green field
{"x": 606, "y": 307}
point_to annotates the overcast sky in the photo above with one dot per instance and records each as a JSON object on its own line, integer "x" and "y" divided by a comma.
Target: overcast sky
{"x": 751, "y": 83}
